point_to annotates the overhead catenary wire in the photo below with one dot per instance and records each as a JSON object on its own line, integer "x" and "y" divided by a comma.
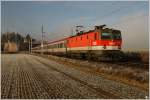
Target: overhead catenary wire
{"x": 130, "y": 19}
{"x": 119, "y": 9}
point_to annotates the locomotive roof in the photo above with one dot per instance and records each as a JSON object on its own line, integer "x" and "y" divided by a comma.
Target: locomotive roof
{"x": 103, "y": 30}
{"x": 83, "y": 33}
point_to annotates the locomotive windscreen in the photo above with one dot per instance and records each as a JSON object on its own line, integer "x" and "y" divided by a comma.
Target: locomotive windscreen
{"x": 106, "y": 35}
{"x": 116, "y": 35}
{"x": 111, "y": 35}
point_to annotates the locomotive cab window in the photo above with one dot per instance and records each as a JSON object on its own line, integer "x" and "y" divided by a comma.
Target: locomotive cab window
{"x": 113, "y": 35}
{"x": 116, "y": 35}
{"x": 106, "y": 36}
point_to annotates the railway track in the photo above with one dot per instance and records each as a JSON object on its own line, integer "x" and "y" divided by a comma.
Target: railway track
{"x": 122, "y": 63}
{"x": 85, "y": 69}
{"x": 50, "y": 90}
{"x": 101, "y": 92}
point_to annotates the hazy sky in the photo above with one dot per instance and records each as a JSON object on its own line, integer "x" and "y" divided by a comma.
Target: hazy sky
{"x": 58, "y": 18}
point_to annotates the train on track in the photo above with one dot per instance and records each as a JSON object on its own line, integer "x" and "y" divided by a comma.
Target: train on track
{"x": 100, "y": 43}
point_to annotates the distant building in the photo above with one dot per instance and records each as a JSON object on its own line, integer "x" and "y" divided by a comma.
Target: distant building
{"x": 10, "y": 47}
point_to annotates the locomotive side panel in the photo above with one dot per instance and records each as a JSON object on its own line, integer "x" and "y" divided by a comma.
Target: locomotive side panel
{"x": 82, "y": 43}
{"x": 82, "y": 40}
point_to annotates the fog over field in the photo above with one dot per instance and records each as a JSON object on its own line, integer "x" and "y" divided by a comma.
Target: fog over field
{"x": 135, "y": 31}
{"x": 60, "y": 18}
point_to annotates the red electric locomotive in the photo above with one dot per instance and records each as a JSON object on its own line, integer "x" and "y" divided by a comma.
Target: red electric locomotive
{"x": 100, "y": 43}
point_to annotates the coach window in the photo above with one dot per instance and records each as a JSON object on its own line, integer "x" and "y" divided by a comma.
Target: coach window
{"x": 60, "y": 45}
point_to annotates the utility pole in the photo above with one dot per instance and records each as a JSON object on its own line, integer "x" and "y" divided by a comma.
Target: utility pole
{"x": 16, "y": 41}
{"x": 31, "y": 44}
{"x": 18, "y": 44}
{"x": 42, "y": 44}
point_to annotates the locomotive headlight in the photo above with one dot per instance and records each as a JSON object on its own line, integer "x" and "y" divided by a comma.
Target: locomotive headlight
{"x": 111, "y": 43}
{"x": 94, "y": 43}
{"x": 104, "y": 46}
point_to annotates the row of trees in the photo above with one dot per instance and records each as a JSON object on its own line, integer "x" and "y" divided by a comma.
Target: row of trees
{"x": 21, "y": 42}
